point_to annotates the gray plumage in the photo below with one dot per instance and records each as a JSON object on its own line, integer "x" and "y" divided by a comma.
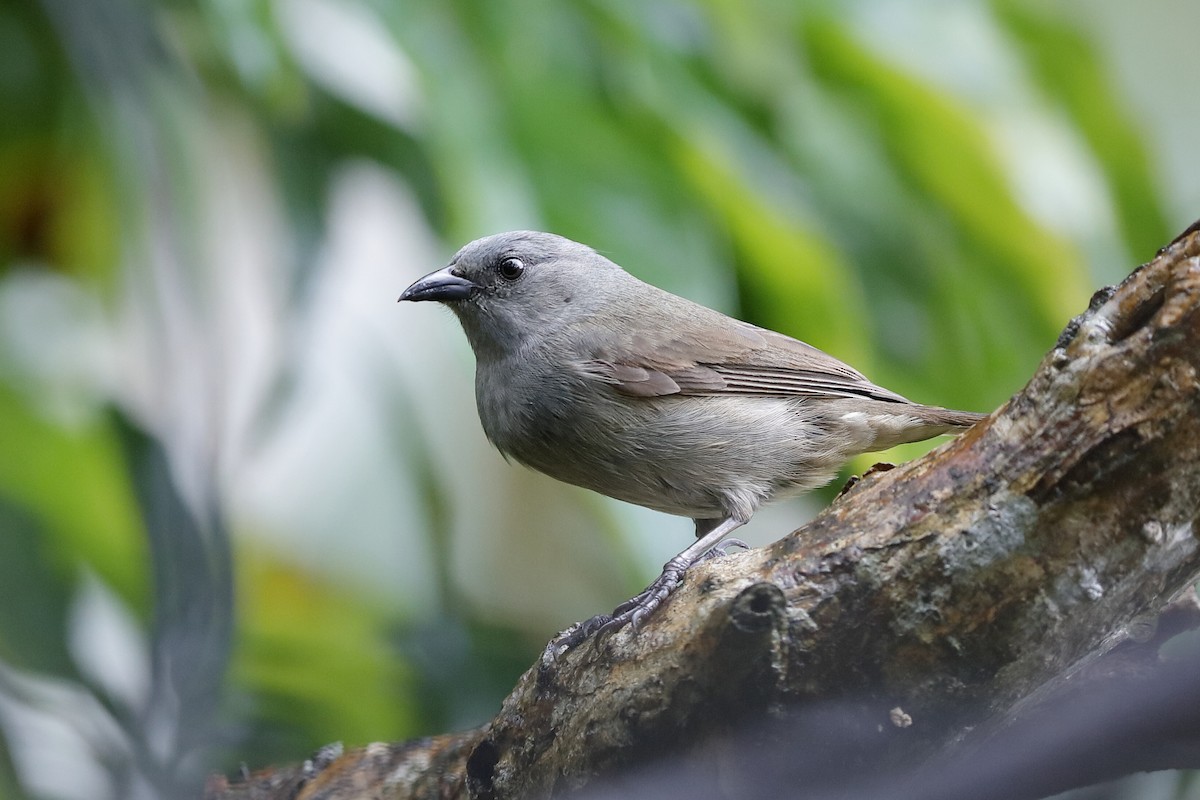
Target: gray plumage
{"x": 598, "y": 379}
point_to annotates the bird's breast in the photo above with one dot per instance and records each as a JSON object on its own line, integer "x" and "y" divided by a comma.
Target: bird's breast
{"x": 681, "y": 455}
{"x": 521, "y": 408}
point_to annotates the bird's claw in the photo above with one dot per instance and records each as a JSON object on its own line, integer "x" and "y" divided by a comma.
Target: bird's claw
{"x": 634, "y": 611}
{"x": 571, "y": 637}
{"x": 723, "y": 548}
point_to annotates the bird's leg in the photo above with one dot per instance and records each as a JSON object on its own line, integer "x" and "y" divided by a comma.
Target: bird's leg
{"x": 637, "y": 608}
{"x": 703, "y": 526}
{"x": 709, "y": 537}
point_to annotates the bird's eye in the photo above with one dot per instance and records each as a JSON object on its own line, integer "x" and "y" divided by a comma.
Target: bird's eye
{"x": 511, "y": 268}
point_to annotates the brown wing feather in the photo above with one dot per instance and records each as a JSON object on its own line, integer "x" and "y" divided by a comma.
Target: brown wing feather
{"x": 752, "y": 379}
{"x": 738, "y": 359}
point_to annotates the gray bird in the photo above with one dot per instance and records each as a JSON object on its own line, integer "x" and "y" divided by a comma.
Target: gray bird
{"x": 595, "y": 378}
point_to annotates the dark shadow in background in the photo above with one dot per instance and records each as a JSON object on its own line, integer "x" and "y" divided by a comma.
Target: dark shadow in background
{"x": 1119, "y": 726}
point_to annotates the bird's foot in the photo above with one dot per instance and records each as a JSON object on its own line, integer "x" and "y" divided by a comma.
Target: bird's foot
{"x": 632, "y": 612}
{"x": 573, "y": 636}
{"x": 637, "y": 608}
{"x": 723, "y": 549}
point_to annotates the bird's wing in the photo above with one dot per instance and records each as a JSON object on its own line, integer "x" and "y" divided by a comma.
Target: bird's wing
{"x": 742, "y": 360}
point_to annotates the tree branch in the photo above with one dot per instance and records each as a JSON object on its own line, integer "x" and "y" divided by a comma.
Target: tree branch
{"x": 942, "y": 602}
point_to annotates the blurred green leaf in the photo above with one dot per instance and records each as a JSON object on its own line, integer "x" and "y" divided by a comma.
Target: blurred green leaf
{"x": 9, "y": 785}
{"x": 35, "y": 594}
{"x": 36, "y": 80}
{"x": 316, "y": 656}
{"x": 793, "y": 278}
{"x": 462, "y": 672}
{"x": 940, "y": 148}
{"x": 56, "y": 208}
{"x": 1068, "y": 69}
{"x": 75, "y": 482}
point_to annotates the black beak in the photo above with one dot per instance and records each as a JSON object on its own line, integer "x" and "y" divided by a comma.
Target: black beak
{"x": 442, "y": 285}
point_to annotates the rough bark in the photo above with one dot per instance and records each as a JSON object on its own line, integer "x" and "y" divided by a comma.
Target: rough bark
{"x": 943, "y": 601}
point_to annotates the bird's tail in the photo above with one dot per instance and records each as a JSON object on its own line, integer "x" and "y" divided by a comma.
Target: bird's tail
{"x": 912, "y": 423}
{"x": 948, "y": 418}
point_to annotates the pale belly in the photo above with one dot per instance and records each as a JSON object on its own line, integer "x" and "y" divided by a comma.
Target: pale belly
{"x": 703, "y": 457}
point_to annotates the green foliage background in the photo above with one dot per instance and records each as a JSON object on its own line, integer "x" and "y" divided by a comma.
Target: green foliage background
{"x": 245, "y": 506}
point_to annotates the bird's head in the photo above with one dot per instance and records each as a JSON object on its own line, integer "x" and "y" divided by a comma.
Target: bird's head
{"x": 511, "y": 286}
